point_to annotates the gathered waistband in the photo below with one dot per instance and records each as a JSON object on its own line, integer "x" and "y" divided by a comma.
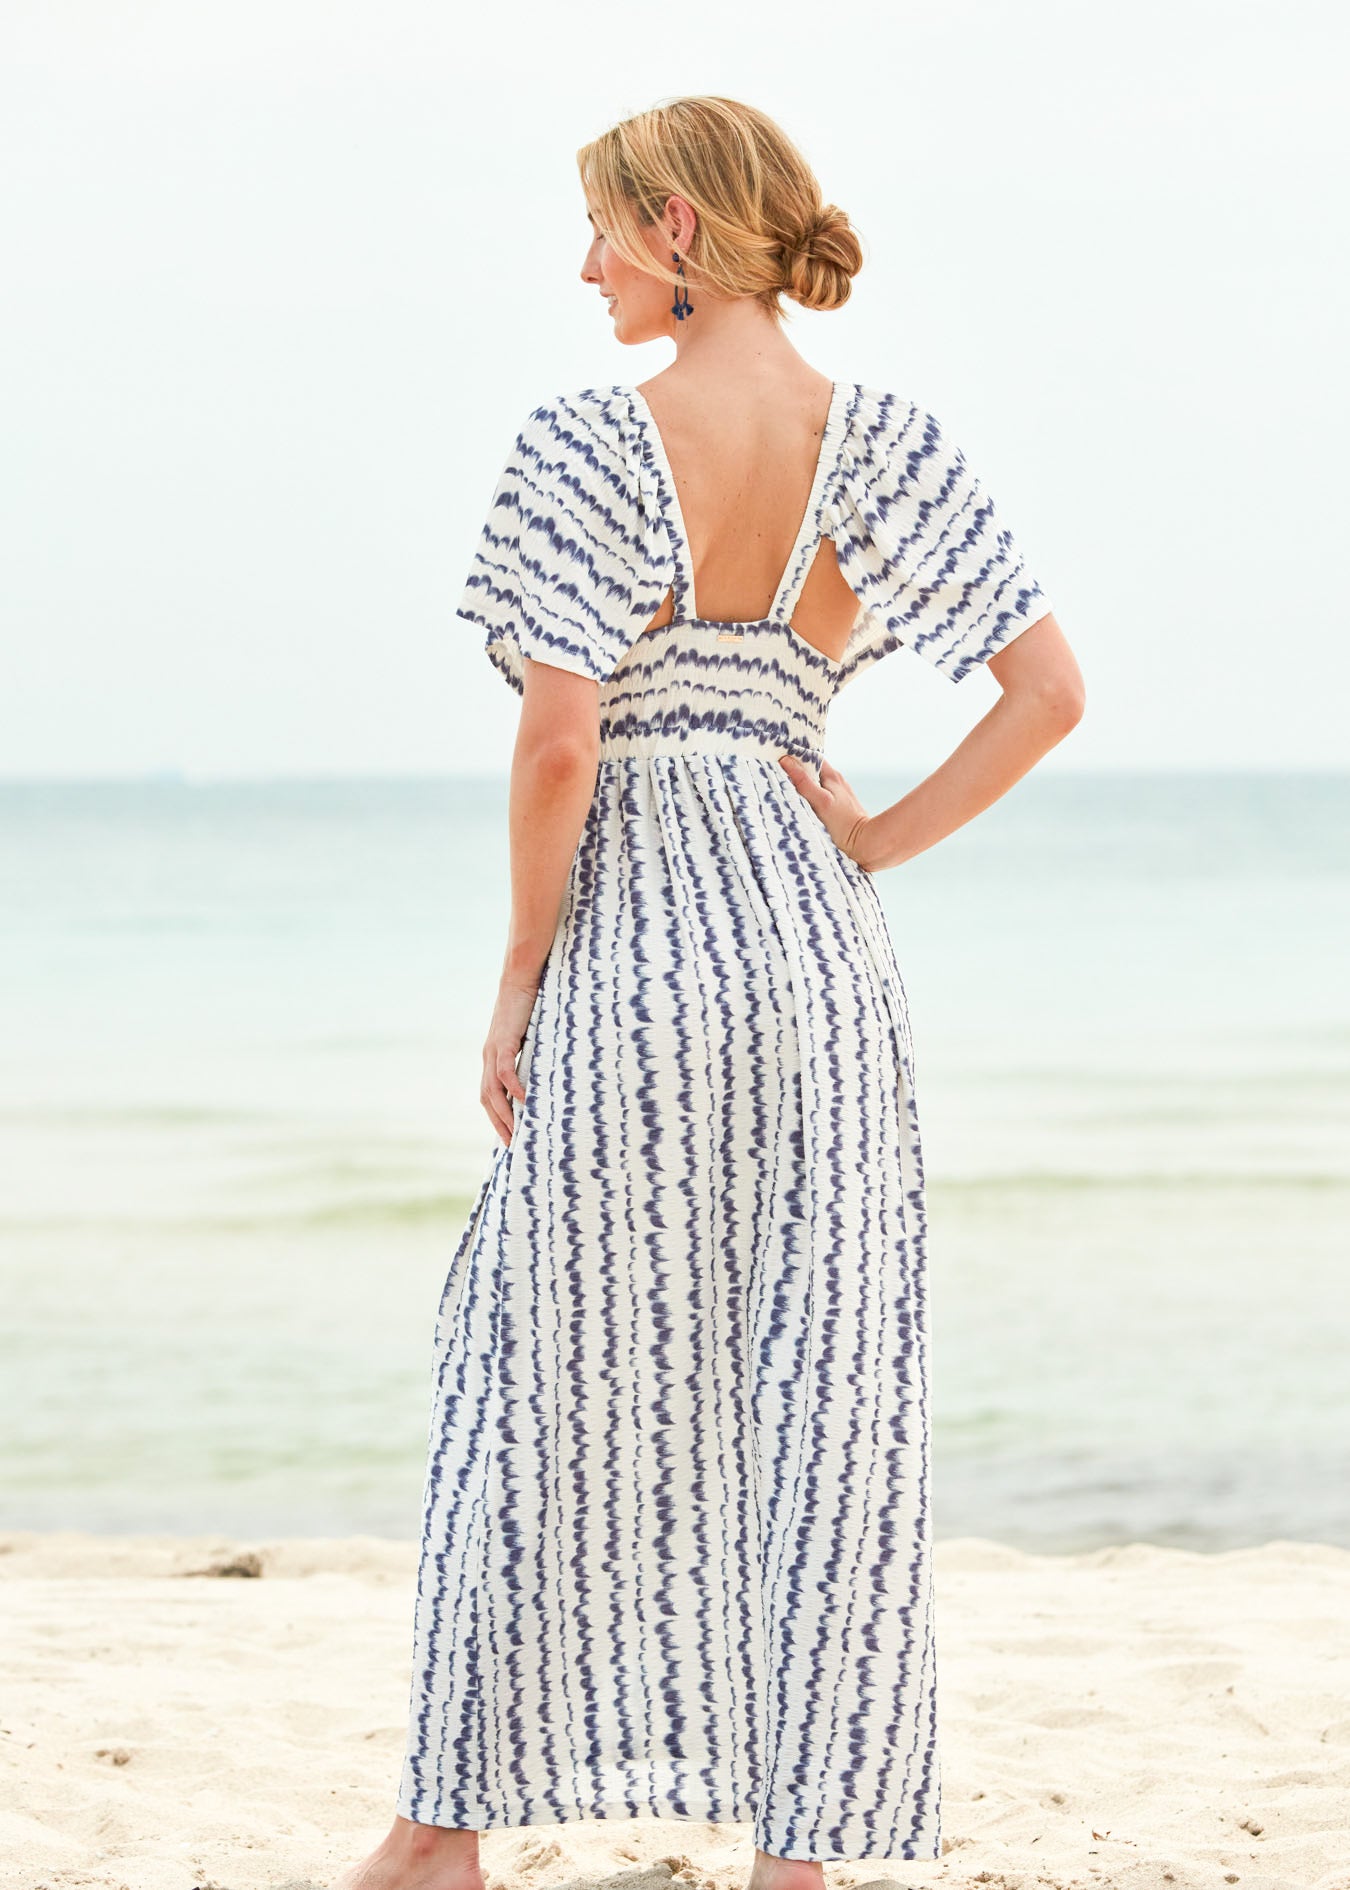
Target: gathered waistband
{"x": 747, "y": 744}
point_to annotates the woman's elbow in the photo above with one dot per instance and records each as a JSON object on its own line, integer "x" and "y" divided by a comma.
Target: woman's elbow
{"x": 1049, "y": 680}
{"x": 1050, "y": 699}
{"x": 1062, "y": 700}
{"x": 560, "y": 754}
{"x": 1039, "y": 672}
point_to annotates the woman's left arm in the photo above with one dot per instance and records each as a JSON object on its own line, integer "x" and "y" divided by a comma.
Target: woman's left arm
{"x": 1042, "y": 699}
{"x": 553, "y": 774}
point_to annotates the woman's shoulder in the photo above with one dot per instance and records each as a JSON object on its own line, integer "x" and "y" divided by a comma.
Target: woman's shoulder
{"x": 595, "y": 408}
{"x": 613, "y": 409}
{"x": 598, "y": 431}
{"x": 589, "y": 435}
{"x": 894, "y": 444}
{"x": 883, "y": 416}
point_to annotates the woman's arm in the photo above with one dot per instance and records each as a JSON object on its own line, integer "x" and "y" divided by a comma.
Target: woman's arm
{"x": 1043, "y": 698}
{"x": 553, "y": 772}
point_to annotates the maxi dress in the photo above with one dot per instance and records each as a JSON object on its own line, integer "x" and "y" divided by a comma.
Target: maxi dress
{"x": 676, "y": 1543}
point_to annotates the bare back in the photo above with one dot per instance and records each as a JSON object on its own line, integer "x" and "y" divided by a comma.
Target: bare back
{"x": 743, "y": 470}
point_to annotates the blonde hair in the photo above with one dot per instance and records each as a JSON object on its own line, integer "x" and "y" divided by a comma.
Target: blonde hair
{"x": 763, "y": 228}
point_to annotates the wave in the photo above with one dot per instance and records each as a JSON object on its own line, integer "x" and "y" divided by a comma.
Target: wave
{"x": 451, "y": 1208}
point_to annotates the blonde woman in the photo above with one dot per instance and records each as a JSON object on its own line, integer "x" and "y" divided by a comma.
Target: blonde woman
{"x": 677, "y": 1527}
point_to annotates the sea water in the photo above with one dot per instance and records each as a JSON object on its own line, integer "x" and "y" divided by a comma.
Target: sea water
{"x": 242, "y": 1026}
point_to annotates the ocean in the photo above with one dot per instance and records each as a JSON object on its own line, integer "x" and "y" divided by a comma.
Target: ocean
{"x": 241, "y": 1131}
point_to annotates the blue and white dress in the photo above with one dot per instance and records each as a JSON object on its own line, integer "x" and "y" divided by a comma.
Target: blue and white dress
{"x": 676, "y": 1542}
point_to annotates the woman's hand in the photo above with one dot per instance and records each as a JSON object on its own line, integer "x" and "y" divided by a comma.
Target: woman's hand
{"x": 843, "y": 814}
{"x": 506, "y": 1033}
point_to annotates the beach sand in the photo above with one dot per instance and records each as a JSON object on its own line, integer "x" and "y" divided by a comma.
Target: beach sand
{"x": 1131, "y": 1716}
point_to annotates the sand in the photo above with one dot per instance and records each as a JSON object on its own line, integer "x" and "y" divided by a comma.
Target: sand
{"x": 1132, "y": 1716}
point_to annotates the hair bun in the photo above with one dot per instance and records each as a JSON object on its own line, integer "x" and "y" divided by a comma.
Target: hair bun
{"x": 818, "y": 270}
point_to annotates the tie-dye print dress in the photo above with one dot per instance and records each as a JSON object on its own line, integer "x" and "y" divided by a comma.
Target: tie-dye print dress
{"x": 677, "y": 1530}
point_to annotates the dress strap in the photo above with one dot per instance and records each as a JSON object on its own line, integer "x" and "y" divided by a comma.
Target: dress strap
{"x": 654, "y": 452}
{"x": 808, "y": 536}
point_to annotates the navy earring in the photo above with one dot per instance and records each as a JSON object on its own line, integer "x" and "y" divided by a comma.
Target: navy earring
{"x": 679, "y": 309}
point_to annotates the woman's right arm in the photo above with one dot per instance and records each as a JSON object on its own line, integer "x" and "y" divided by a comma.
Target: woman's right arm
{"x": 553, "y": 774}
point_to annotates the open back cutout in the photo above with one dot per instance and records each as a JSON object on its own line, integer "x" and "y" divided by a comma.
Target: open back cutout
{"x": 827, "y": 607}
{"x": 826, "y": 612}
{"x": 811, "y": 597}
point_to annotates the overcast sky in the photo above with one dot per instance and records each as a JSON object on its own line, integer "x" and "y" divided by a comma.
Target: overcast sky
{"x": 281, "y": 280}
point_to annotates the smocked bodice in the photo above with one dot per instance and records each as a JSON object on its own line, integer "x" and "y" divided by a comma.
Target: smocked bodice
{"x": 710, "y": 688}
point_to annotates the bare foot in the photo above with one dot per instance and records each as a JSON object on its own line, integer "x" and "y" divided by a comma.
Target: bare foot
{"x": 417, "y": 1857}
{"x": 785, "y": 1873}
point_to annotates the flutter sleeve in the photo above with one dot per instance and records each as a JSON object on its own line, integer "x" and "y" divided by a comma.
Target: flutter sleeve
{"x": 924, "y": 549}
{"x": 573, "y": 560}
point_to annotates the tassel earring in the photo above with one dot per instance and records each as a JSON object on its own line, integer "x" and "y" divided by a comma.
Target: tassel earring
{"x": 679, "y": 309}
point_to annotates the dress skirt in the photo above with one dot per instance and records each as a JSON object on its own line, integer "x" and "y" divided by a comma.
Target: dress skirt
{"x": 676, "y": 1553}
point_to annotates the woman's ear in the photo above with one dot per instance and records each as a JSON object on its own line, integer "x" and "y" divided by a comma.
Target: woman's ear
{"x": 681, "y": 222}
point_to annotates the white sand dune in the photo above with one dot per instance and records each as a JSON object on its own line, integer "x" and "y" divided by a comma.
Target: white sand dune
{"x": 1135, "y": 1717}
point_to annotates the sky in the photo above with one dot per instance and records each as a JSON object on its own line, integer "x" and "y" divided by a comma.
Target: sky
{"x": 282, "y": 280}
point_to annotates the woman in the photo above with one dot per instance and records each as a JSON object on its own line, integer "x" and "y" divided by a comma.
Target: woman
{"x": 676, "y": 1544}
